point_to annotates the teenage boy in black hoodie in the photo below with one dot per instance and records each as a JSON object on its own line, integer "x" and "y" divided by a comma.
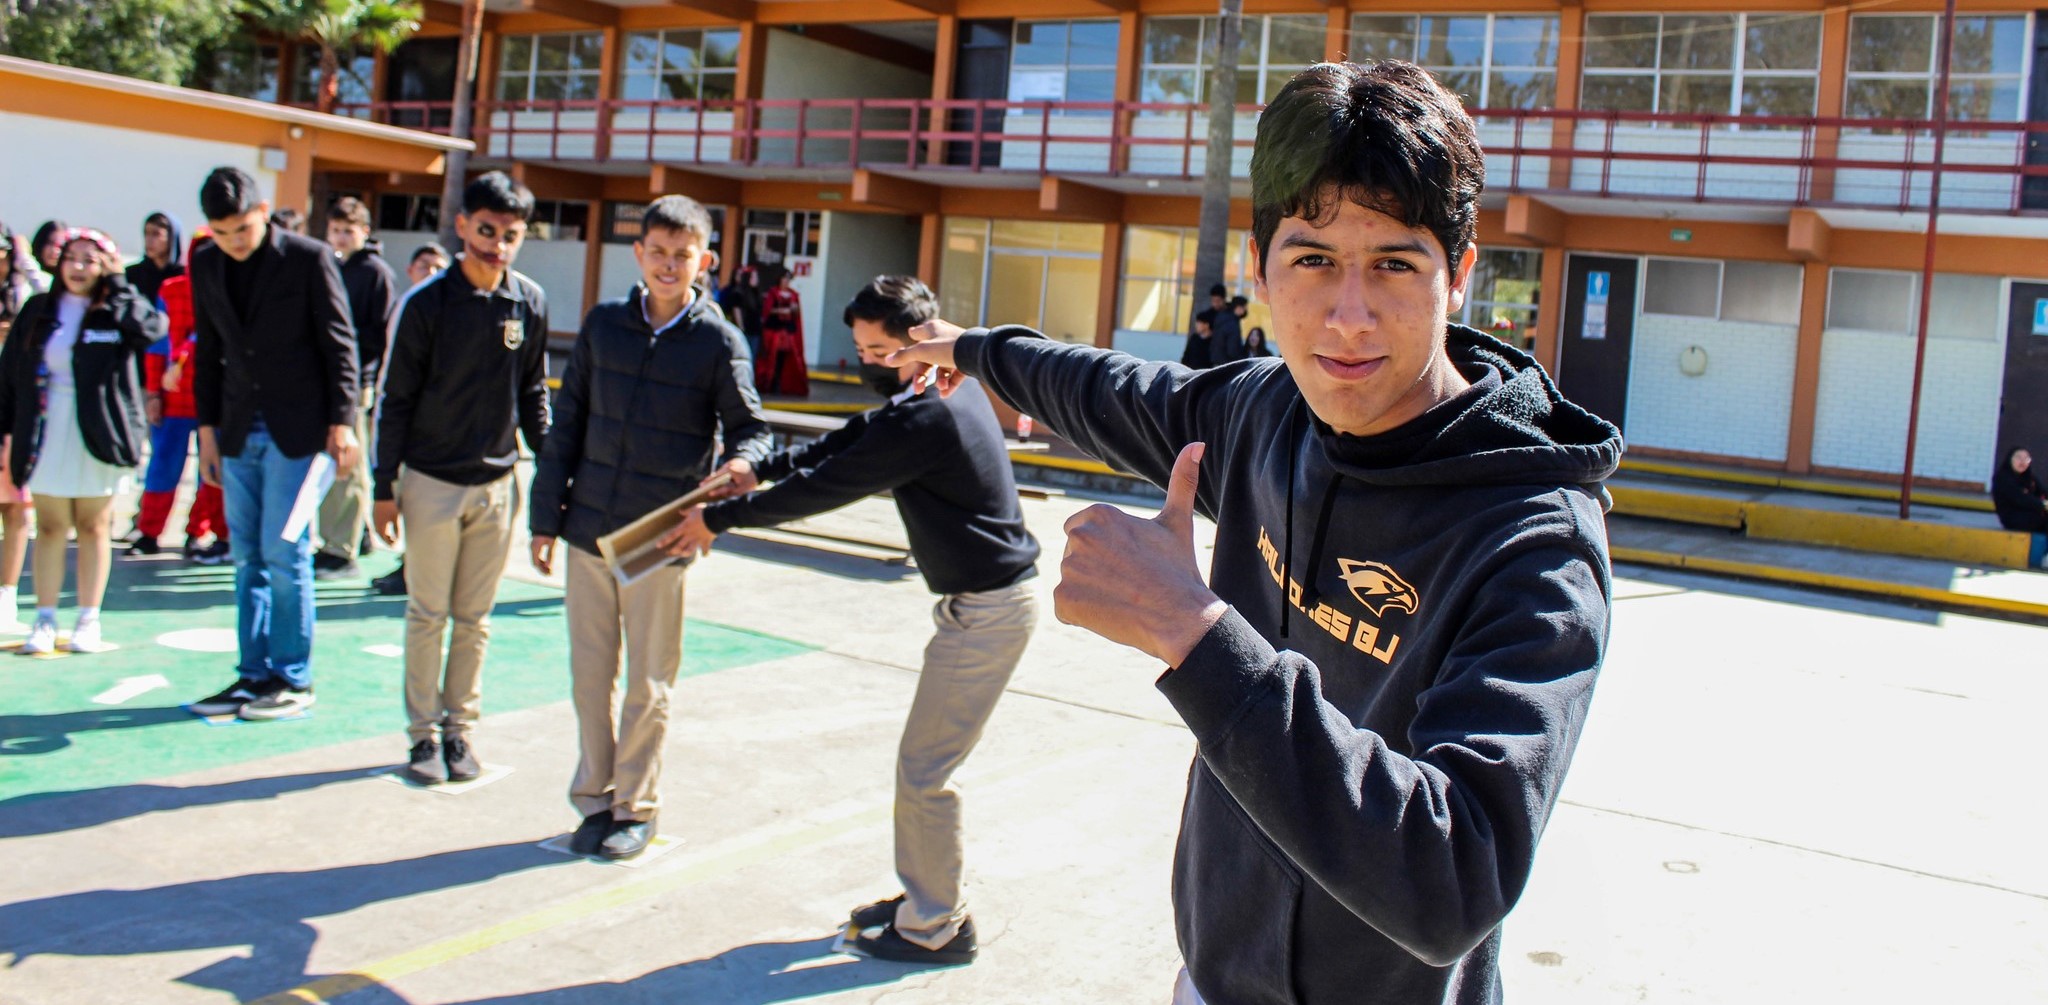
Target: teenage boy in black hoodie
{"x": 656, "y": 380}
{"x": 372, "y": 303}
{"x": 1391, "y": 661}
{"x": 945, "y": 464}
{"x": 467, "y": 373}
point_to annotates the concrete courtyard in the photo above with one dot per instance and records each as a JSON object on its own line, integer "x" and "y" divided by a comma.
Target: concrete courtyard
{"x": 1780, "y": 797}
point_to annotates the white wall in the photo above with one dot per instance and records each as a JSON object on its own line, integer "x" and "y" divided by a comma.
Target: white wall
{"x": 617, "y": 271}
{"x": 860, "y": 246}
{"x": 558, "y": 267}
{"x": 1742, "y": 405}
{"x": 398, "y": 248}
{"x": 801, "y": 68}
{"x": 109, "y": 178}
{"x": 1866, "y": 386}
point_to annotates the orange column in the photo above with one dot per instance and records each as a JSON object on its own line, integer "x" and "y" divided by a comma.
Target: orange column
{"x": 944, "y": 59}
{"x": 1813, "y": 314}
{"x": 1834, "y": 66}
{"x": 1550, "y": 310}
{"x": 751, "y": 73}
{"x": 931, "y": 235}
{"x": 1112, "y": 274}
{"x": 607, "y": 89}
{"x": 1337, "y": 36}
{"x": 593, "y": 264}
{"x": 1571, "y": 55}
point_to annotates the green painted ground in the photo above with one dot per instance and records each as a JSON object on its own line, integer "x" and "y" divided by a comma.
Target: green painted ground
{"x": 53, "y": 738}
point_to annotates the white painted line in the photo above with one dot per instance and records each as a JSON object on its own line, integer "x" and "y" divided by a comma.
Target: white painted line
{"x": 201, "y": 640}
{"x": 129, "y": 688}
{"x": 386, "y": 649}
{"x": 661, "y": 845}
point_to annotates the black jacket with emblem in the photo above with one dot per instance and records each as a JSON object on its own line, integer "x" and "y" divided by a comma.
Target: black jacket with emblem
{"x": 467, "y": 371}
{"x": 1386, "y": 712}
{"x": 292, "y": 360}
{"x": 639, "y": 415}
{"x": 105, "y": 364}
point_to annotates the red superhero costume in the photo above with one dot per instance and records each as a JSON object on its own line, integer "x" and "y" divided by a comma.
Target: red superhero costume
{"x": 172, "y": 438}
{"x": 780, "y": 369}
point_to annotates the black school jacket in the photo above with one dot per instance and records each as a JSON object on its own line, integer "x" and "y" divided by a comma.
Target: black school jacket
{"x": 1384, "y": 716}
{"x": 293, "y": 361}
{"x": 105, "y": 362}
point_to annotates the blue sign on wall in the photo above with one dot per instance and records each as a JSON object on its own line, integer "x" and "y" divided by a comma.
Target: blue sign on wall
{"x": 1594, "y": 325}
{"x": 2041, "y": 316}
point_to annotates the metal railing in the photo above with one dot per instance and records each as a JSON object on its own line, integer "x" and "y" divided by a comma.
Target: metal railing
{"x": 1805, "y": 160}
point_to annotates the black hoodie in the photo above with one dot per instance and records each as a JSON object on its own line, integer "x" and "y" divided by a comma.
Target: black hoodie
{"x": 1386, "y": 712}
{"x": 2016, "y": 496}
{"x": 147, "y": 276}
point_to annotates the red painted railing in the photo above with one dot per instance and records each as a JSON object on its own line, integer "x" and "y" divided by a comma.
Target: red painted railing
{"x": 1704, "y": 158}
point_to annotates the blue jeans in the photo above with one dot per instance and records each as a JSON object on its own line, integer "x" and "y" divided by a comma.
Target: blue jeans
{"x": 169, "y": 442}
{"x": 273, "y": 577}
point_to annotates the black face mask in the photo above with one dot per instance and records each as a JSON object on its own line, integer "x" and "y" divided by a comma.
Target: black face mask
{"x": 882, "y": 379}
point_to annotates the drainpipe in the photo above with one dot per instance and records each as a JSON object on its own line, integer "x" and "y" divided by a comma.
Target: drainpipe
{"x": 1948, "y": 44}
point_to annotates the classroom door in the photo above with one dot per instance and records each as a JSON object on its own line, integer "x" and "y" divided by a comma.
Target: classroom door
{"x": 2023, "y": 408}
{"x": 1599, "y": 328}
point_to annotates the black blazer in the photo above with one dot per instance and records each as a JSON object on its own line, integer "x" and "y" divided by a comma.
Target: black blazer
{"x": 104, "y": 364}
{"x": 294, "y": 361}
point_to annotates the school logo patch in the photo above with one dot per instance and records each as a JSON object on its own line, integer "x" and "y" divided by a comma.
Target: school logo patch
{"x": 514, "y": 331}
{"x": 1378, "y": 587}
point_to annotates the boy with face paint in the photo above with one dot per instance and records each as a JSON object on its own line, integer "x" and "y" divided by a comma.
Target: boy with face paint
{"x": 944, "y": 463}
{"x": 1389, "y": 664}
{"x": 656, "y": 380}
{"x": 467, "y": 374}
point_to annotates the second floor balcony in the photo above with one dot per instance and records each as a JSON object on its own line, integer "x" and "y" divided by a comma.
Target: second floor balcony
{"x": 1853, "y": 163}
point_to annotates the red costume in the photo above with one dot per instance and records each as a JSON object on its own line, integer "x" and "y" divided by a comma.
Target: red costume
{"x": 173, "y": 438}
{"x": 780, "y": 368}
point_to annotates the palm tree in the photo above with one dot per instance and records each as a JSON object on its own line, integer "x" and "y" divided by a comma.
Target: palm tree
{"x": 333, "y": 25}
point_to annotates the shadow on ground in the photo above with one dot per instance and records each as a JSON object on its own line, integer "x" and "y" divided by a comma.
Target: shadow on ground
{"x": 760, "y": 973}
{"x": 80, "y": 809}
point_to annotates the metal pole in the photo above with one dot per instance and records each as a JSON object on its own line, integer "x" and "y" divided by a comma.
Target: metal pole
{"x": 455, "y": 175}
{"x": 1948, "y": 44}
{"x": 1213, "y": 238}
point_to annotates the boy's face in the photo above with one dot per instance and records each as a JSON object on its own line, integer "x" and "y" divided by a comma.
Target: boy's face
{"x": 671, "y": 260}
{"x": 239, "y": 235}
{"x": 875, "y": 344}
{"x": 1359, "y": 306}
{"x": 156, "y": 241}
{"x": 424, "y": 267}
{"x": 490, "y": 238}
{"x": 346, "y": 238}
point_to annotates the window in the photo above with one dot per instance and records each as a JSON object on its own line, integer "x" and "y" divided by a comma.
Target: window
{"x": 1275, "y": 48}
{"x": 1713, "y": 64}
{"x": 1502, "y": 297}
{"x": 1872, "y": 301}
{"x": 1022, "y": 272}
{"x": 420, "y": 213}
{"x": 558, "y": 221}
{"x": 1491, "y": 61}
{"x": 1064, "y": 61}
{"x": 680, "y": 65}
{"x": 1761, "y": 292}
{"x": 1159, "y": 293}
{"x": 357, "y": 72}
{"x": 1892, "y": 64}
{"x": 551, "y": 67}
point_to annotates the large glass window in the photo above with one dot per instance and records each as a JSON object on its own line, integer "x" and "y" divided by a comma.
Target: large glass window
{"x": 1893, "y": 61}
{"x": 1492, "y": 61}
{"x": 1964, "y": 307}
{"x": 1064, "y": 61}
{"x": 680, "y": 65}
{"x": 1275, "y": 48}
{"x": 1026, "y": 272}
{"x": 1715, "y": 64}
{"x": 1764, "y": 292}
{"x": 1159, "y": 294}
{"x": 562, "y": 67}
{"x": 1502, "y": 297}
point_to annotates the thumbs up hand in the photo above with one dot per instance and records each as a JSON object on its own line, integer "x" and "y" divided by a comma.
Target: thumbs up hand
{"x": 1135, "y": 581}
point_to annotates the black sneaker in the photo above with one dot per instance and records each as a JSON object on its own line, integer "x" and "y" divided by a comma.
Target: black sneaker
{"x": 282, "y": 703}
{"x": 888, "y": 944}
{"x": 424, "y": 764}
{"x": 462, "y": 764}
{"x": 627, "y": 839}
{"x": 230, "y": 700}
{"x": 145, "y": 544}
{"x": 591, "y": 833}
{"x": 391, "y": 584}
{"x": 212, "y": 554}
{"x": 881, "y": 912}
{"x": 326, "y": 566}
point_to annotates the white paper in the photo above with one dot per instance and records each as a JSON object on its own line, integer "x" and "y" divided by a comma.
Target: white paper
{"x": 319, "y": 477}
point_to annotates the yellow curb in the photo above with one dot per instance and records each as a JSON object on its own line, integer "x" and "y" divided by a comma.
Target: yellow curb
{"x": 1829, "y": 581}
{"x": 1946, "y": 500}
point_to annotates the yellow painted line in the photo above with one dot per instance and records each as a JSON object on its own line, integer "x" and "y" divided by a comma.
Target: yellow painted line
{"x": 1081, "y": 464}
{"x": 817, "y": 407}
{"x": 1887, "y": 535}
{"x": 1948, "y": 500}
{"x": 835, "y": 377}
{"x": 1829, "y": 581}
{"x": 1684, "y": 507}
{"x": 330, "y": 988}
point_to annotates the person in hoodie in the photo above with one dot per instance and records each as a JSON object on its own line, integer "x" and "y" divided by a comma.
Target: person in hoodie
{"x": 173, "y": 419}
{"x": 2017, "y": 498}
{"x": 163, "y": 255}
{"x": 655, "y": 383}
{"x": 72, "y": 406}
{"x": 468, "y": 373}
{"x": 372, "y": 302}
{"x": 945, "y": 464}
{"x": 1389, "y": 665}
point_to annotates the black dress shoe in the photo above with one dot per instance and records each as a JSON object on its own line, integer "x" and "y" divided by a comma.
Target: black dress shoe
{"x": 627, "y": 839}
{"x": 591, "y": 833}
{"x": 461, "y": 760}
{"x": 888, "y": 944}
{"x": 881, "y": 912}
{"x": 424, "y": 764}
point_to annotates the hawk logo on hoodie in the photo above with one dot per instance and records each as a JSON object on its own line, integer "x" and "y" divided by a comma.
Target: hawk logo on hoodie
{"x": 1378, "y": 587}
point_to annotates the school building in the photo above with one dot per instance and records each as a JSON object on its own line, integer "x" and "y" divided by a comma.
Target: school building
{"x": 1707, "y": 220}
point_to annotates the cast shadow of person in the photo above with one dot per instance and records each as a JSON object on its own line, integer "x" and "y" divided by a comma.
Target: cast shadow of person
{"x": 39, "y": 813}
{"x": 25, "y": 735}
{"x": 270, "y": 912}
{"x": 759, "y": 973}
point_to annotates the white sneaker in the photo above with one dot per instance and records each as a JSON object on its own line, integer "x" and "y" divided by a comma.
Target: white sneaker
{"x": 86, "y": 638}
{"x": 42, "y": 638}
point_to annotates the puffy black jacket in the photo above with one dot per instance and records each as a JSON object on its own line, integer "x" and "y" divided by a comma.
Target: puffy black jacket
{"x": 105, "y": 365}
{"x": 638, "y": 415}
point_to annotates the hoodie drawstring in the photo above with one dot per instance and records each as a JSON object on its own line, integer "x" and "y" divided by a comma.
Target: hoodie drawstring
{"x": 1310, "y": 596}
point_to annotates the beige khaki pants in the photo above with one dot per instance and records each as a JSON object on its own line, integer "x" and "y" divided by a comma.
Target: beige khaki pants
{"x": 456, "y": 537}
{"x": 967, "y": 664}
{"x": 345, "y": 511}
{"x": 620, "y": 768}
